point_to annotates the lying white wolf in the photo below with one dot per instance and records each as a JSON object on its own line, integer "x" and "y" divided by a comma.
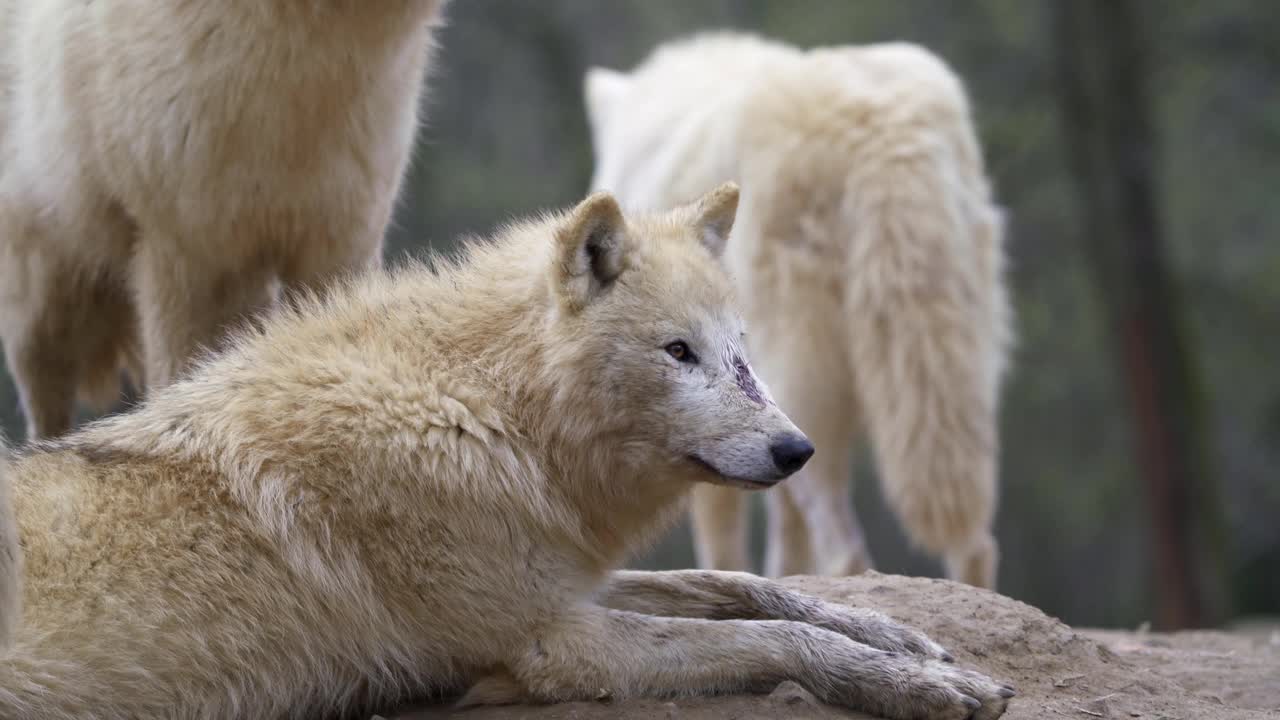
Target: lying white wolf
{"x": 869, "y": 261}
{"x": 423, "y": 484}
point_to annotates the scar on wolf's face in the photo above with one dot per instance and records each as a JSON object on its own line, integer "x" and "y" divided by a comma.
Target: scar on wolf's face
{"x": 746, "y": 383}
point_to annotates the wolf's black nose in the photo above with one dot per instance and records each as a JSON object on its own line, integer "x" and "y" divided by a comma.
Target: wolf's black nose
{"x": 791, "y": 453}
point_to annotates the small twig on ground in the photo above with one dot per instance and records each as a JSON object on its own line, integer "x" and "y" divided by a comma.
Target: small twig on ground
{"x": 1064, "y": 682}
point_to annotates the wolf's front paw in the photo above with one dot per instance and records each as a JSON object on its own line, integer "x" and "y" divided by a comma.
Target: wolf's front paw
{"x": 880, "y": 631}
{"x": 906, "y": 688}
{"x": 993, "y": 698}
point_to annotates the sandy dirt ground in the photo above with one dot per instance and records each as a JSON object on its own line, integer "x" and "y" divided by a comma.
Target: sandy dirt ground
{"x": 1059, "y": 672}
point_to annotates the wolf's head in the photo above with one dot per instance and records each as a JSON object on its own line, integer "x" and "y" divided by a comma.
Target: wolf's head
{"x": 646, "y": 317}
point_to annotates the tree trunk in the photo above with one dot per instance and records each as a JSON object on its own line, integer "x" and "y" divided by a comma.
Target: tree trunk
{"x": 1105, "y": 111}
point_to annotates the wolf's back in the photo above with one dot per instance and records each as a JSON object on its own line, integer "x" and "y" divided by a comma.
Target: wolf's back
{"x": 10, "y": 554}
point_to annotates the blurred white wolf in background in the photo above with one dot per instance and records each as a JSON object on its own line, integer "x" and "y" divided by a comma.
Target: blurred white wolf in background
{"x": 868, "y": 254}
{"x": 166, "y": 167}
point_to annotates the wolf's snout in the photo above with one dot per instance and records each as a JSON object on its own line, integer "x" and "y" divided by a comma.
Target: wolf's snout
{"x": 791, "y": 452}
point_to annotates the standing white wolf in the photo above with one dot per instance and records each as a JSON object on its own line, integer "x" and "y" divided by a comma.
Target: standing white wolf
{"x": 423, "y": 483}
{"x": 166, "y": 167}
{"x": 869, "y": 260}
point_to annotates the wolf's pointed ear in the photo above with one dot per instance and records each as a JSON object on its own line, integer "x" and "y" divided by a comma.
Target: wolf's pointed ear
{"x": 602, "y": 88}
{"x": 591, "y": 250}
{"x": 713, "y": 217}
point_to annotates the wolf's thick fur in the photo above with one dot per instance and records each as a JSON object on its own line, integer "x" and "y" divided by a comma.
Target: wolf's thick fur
{"x": 10, "y": 556}
{"x": 165, "y": 168}
{"x": 869, "y": 258}
{"x": 422, "y": 483}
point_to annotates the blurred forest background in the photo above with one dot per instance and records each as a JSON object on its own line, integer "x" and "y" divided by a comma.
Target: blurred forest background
{"x": 1081, "y": 536}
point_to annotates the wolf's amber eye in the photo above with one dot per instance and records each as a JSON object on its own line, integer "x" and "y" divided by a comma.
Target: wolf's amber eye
{"x": 680, "y": 351}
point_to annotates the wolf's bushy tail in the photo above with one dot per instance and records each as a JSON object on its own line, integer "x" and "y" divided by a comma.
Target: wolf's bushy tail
{"x": 10, "y": 555}
{"x": 894, "y": 163}
{"x": 929, "y": 342}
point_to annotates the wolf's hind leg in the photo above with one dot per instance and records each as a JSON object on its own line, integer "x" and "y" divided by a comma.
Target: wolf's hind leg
{"x": 719, "y": 527}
